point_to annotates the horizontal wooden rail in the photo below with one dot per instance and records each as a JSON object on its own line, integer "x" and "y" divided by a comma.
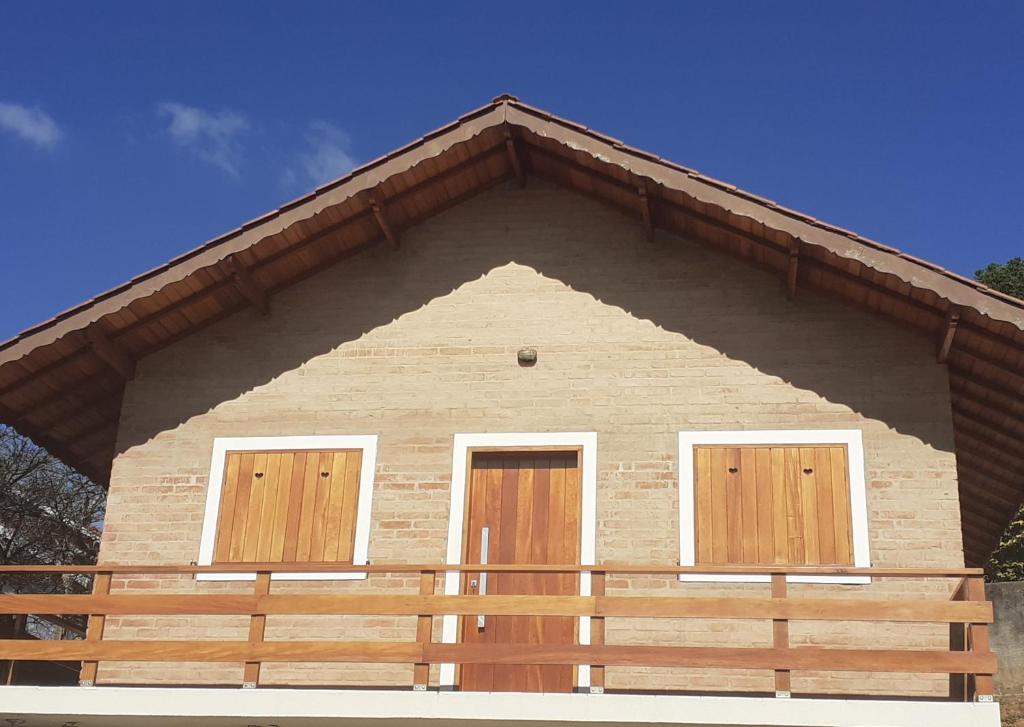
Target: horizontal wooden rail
{"x": 808, "y": 609}
{"x": 856, "y": 660}
{"x": 399, "y": 568}
{"x": 968, "y": 659}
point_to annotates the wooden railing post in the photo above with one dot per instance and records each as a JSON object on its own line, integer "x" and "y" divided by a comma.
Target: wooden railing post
{"x": 94, "y": 630}
{"x": 981, "y": 688}
{"x": 18, "y": 624}
{"x": 257, "y": 629}
{"x": 780, "y": 638}
{"x": 424, "y": 632}
{"x": 958, "y": 642}
{"x": 597, "y": 584}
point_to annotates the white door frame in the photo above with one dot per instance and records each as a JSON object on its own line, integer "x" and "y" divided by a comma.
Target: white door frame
{"x": 466, "y": 443}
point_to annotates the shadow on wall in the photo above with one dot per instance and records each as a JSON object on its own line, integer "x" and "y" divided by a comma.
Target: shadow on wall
{"x": 672, "y": 290}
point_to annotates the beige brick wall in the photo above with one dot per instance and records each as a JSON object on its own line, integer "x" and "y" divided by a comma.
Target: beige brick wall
{"x": 636, "y": 341}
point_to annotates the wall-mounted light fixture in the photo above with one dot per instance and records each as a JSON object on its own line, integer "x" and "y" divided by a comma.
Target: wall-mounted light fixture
{"x": 527, "y": 356}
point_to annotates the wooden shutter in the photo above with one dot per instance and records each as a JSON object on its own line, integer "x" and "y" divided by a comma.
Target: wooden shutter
{"x": 290, "y": 507}
{"x": 762, "y": 505}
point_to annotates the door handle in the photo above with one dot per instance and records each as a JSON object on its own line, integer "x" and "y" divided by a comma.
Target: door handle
{"x": 485, "y": 537}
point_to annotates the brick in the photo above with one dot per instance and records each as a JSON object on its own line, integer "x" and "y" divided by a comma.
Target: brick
{"x": 635, "y": 341}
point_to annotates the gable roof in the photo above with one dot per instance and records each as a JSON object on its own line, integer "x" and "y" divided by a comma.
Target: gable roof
{"x": 61, "y": 381}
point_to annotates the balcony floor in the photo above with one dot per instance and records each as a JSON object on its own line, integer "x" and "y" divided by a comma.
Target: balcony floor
{"x": 269, "y": 707}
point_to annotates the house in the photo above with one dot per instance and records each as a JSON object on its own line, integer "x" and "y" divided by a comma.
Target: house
{"x": 519, "y": 408}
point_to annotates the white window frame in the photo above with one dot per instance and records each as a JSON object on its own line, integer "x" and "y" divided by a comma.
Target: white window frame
{"x": 222, "y": 445}
{"x": 851, "y": 438}
{"x": 466, "y": 443}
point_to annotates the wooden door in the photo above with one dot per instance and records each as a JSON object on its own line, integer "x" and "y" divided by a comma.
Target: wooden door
{"x": 526, "y": 507}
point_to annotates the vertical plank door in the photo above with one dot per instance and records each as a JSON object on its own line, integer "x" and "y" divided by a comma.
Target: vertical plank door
{"x": 529, "y": 504}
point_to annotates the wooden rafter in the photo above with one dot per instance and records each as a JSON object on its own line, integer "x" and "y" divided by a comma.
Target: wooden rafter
{"x": 968, "y": 439}
{"x": 11, "y": 419}
{"x": 952, "y": 321}
{"x": 514, "y": 158}
{"x": 1012, "y": 426}
{"x": 992, "y": 432}
{"x": 113, "y": 355}
{"x": 1002, "y": 371}
{"x": 983, "y": 508}
{"x": 980, "y": 460}
{"x": 980, "y": 485}
{"x": 793, "y": 268}
{"x": 246, "y": 284}
{"x": 43, "y": 371}
{"x": 979, "y": 531}
{"x": 994, "y": 388}
{"x": 56, "y": 448}
{"x": 380, "y": 214}
{"x": 999, "y": 499}
{"x": 83, "y": 434}
{"x": 79, "y": 387}
{"x": 86, "y": 405}
{"x": 990, "y": 485}
{"x": 986, "y": 517}
{"x": 93, "y": 453}
{"x": 1000, "y": 485}
{"x": 645, "y": 211}
{"x": 985, "y": 396}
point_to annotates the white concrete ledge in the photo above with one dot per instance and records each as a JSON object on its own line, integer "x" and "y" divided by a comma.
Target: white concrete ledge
{"x": 221, "y": 707}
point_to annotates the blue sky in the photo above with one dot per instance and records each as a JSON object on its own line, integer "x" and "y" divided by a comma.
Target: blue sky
{"x": 130, "y": 132}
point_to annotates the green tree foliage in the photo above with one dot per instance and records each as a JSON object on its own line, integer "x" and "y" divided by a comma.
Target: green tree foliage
{"x": 1005, "y": 277}
{"x": 1007, "y": 562}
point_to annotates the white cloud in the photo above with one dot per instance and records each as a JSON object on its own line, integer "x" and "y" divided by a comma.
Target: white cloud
{"x": 327, "y": 156}
{"x": 33, "y": 125}
{"x": 212, "y": 136}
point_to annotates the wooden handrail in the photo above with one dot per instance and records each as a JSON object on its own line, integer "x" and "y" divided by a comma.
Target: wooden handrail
{"x": 902, "y": 610}
{"x": 916, "y": 661}
{"x": 398, "y": 568}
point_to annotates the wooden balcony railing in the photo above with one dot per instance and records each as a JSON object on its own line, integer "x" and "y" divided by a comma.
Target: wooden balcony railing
{"x": 968, "y": 661}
